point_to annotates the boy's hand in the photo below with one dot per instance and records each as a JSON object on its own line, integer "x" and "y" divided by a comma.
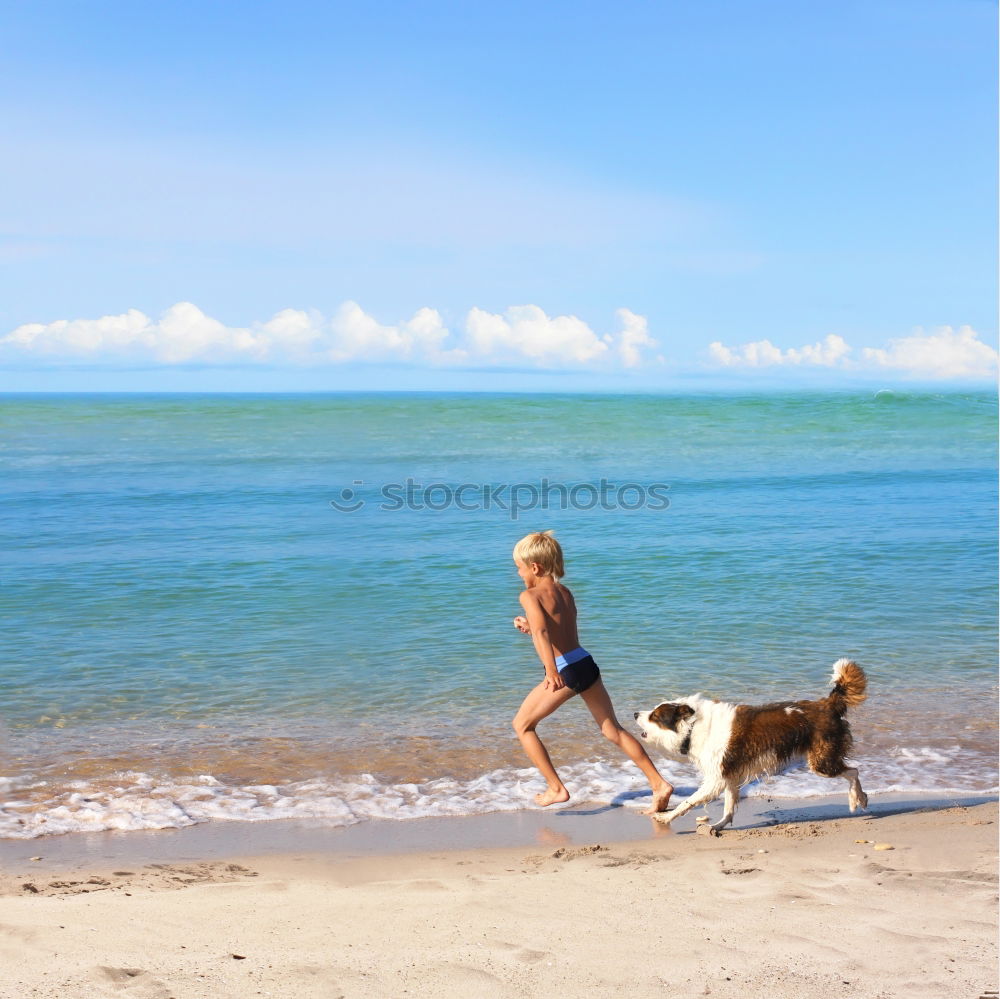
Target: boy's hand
{"x": 553, "y": 681}
{"x": 521, "y": 623}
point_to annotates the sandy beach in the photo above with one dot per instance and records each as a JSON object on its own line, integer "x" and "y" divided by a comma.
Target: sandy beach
{"x": 901, "y": 902}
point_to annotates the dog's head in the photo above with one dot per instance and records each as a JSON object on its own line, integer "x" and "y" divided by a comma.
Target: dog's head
{"x": 667, "y": 726}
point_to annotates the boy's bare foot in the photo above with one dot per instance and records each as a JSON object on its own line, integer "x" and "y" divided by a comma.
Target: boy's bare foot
{"x": 661, "y": 798}
{"x": 551, "y": 797}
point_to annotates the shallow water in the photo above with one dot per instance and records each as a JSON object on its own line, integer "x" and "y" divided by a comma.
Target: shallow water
{"x": 189, "y": 622}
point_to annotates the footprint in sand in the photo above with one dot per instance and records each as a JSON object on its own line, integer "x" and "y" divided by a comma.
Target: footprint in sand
{"x": 633, "y": 860}
{"x": 565, "y": 853}
{"x": 323, "y": 977}
{"x": 179, "y": 876}
{"x": 121, "y": 974}
{"x": 526, "y": 955}
{"x": 476, "y": 981}
{"x": 426, "y": 884}
{"x": 135, "y": 982}
{"x": 154, "y": 876}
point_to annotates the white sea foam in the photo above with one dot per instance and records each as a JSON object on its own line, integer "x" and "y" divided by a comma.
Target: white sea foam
{"x": 140, "y": 801}
{"x": 924, "y": 754}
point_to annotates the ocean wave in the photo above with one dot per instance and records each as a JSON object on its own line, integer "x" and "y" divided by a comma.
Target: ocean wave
{"x": 136, "y": 801}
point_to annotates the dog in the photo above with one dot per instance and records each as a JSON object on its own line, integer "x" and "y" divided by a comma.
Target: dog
{"x": 731, "y": 744}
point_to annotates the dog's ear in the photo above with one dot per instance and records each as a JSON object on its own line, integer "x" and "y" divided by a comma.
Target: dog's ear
{"x": 663, "y": 715}
{"x": 668, "y": 714}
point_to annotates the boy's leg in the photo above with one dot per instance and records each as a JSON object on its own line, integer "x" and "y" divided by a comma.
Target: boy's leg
{"x": 597, "y": 699}
{"x": 537, "y": 705}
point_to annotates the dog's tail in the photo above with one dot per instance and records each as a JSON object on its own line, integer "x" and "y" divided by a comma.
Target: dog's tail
{"x": 849, "y": 685}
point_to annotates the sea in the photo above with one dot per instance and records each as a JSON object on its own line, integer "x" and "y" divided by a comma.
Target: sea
{"x": 226, "y": 608}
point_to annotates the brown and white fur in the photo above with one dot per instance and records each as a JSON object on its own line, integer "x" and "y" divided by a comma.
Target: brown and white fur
{"x": 734, "y": 743}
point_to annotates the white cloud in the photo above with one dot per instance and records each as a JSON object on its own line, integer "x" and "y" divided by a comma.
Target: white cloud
{"x": 355, "y": 335}
{"x": 82, "y": 336}
{"x": 526, "y": 332}
{"x": 633, "y": 337}
{"x": 184, "y": 333}
{"x": 830, "y": 352}
{"x": 295, "y": 329}
{"x": 944, "y": 353}
{"x": 521, "y": 335}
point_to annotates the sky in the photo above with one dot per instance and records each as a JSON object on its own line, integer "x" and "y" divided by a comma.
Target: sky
{"x": 550, "y": 196}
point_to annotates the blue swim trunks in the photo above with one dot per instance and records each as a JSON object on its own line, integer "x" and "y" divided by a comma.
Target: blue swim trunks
{"x": 578, "y": 670}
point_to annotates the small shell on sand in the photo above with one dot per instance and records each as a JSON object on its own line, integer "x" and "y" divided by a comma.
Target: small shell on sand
{"x": 884, "y": 846}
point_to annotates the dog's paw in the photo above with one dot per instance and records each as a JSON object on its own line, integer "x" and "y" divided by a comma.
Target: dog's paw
{"x": 858, "y": 802}
{"x": 706, "y": 830}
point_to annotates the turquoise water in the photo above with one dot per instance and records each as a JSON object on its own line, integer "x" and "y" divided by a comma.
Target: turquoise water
{"x": 183, "y": 601}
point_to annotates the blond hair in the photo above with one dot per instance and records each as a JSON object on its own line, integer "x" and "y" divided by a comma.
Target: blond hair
{"x": 541, "y": 547}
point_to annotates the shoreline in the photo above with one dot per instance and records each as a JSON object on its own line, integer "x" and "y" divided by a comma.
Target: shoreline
{"x": 579, "y": 823}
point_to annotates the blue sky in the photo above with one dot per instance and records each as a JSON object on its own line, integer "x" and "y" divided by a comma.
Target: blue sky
{"x": 448, "y": 195}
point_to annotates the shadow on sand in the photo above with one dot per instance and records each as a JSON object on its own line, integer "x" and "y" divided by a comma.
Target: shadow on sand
{"x": 761, "y": 810}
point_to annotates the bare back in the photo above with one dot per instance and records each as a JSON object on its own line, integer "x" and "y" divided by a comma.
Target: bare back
{"x": 559, "y": 608}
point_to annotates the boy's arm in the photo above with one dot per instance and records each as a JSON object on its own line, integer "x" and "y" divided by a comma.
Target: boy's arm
{"x": 540, "y": 636}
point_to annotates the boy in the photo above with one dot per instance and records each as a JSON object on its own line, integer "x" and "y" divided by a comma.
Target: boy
{"x": 550, "y": 619}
